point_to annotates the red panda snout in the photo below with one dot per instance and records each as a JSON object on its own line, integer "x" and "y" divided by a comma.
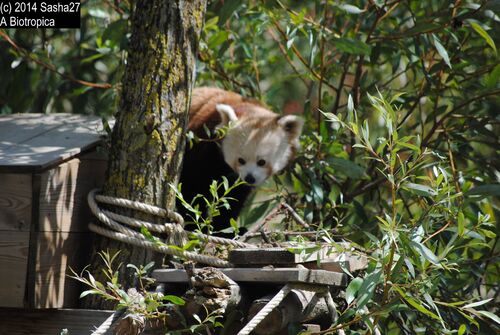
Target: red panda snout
{"x": 251, "y": 173}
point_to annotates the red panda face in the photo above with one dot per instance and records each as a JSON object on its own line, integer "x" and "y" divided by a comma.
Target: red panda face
{"x": 259, "y": 143}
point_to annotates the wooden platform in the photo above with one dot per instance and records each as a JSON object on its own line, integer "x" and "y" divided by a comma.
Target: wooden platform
{"x": 50, "y": 321}
{"x": 336, "y": 258}
{"x": 31, "y": 142}
{"x": 262, "y": 275}
{"x": 48, "y": 164}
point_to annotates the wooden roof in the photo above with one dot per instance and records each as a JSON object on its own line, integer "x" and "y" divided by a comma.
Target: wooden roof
{"x": 33, "y": 142}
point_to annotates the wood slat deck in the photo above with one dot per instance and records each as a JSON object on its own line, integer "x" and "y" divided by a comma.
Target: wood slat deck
{"x": 32, "y": 142}
{"x": 50, "y": 321}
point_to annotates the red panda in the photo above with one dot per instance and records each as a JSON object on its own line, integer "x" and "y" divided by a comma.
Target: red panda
{"x": 257, "y": 144}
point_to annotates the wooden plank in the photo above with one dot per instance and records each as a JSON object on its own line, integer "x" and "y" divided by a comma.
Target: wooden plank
{"x": 276, "y": 256}
{"x": 262, "y": 275}
{"x": 15, "y": 202}
{"x": 63, "y": 195}
{"x": 29, "y": 294}
{"x": 43, "y": 322}
{"x": 336, "y": 262}
{"x": 26, "y": 121}
{"x": 47, "y": 140}
{"x": 13, "y": 264}
{"x": 56, "y": 253}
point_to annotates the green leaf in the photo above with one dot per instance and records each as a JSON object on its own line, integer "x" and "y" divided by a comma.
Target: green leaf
{"x": 419, "y": 189}
{"x": 442, "y": 51}
{"x": 461, "y": 223}
{"x": 350, "y": 103}
{"x": 352, "y": 46}
{"x": 318, "y": 193}
{"x": 410, "y": 146}
{"x": 217, "y": 39}
{"x": 469, "y": 318}
{"x": 347, "y": 167}
{"x": 368, "y": 287}
{"x": 352, "y": 289}
{"x": 462, "y": 329}
{"x": 85, "y": 293}
{"x": 421, "y": 27}
{"x": 426, "y": 252}
{"x": 416, "y": 304}
{"x": 410, "y": 267}
{"x": 492, "y": 79}
{"x": 116, "y": 33}
{"x": 227, "y": 10}
{"x": 477, "y": 303}
{"x": 484, "y": 35}
{"x": 485, "y": 190}
{"x": 174, "y": 299}
{"x": 351, "y": 9}
{"x": 490, "y": 315}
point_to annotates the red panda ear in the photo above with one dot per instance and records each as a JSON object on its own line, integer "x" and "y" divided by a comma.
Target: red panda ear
{"x": 291, "y": 124}
{"x": 227, "y": 114}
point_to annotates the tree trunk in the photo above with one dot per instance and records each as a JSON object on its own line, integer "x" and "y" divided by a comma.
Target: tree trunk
{"x": 147, "y": 142}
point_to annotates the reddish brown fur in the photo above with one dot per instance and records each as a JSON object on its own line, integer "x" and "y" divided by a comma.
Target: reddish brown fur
{"x": 203, "y": 113}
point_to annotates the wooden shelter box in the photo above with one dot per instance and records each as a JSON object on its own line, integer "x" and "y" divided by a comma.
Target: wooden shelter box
{"x": 48, "y": 164}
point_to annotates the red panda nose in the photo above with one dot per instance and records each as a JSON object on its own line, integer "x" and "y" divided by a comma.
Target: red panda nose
{"x": 250, "y": 179}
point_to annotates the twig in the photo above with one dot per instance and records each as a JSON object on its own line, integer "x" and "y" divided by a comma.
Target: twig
{"x": 253, "y": 230}
{"x": 452, "y": 164}
{"x": 463, "y": 104}
{"x": 437, "y": 231}
{"x": 223, "y": 74}
{"x": 115, "y": 7}
{"x": 295, "y": 216}
{"x": 288, "y": 233}
{"x": 26, "y": 55}
{"x": 300, "y": 57}
{"x": 285, "y": 54}
{"x": 367, "y": 187}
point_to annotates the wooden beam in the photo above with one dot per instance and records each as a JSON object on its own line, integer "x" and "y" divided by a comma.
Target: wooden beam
{"x": 263, "y": 275}
{"x": 282, "y": 255}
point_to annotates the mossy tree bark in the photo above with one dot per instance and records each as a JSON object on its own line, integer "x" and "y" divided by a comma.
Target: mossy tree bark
{"x": 147, "y": 142}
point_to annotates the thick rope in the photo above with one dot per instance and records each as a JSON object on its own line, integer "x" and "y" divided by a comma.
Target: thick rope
{"x": 261, "y": 315}
{"x": 223, "y": 241}
{"x": 104, "y": 327}
{"x": 140, "y": 206}
{"x": 127, "y": 235}
{"x": 210, "y": 260}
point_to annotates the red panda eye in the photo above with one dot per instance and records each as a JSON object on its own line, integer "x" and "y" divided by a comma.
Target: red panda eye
{"x": 261, "y": 162}
{"x": 241, "y": 161}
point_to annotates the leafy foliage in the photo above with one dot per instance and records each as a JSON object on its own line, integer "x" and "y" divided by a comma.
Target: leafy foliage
{"x": 400, "y": 154}
{"x": 220, "y": 197}
{"x": 409, "y": 174}
{"x": 142, "y": 304}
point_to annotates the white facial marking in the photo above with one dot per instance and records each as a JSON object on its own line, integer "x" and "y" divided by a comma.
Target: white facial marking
{"x": 246, "y": 144}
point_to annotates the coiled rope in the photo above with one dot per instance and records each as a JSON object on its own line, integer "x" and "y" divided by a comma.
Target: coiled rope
{"x": 115, "y": 229}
